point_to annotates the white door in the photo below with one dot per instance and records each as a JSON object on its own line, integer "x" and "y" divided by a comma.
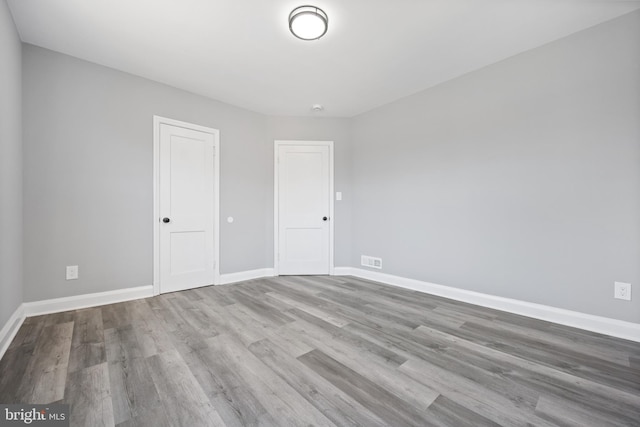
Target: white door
{"x": 186, "y": 207}
{"x": 304, "y": 208}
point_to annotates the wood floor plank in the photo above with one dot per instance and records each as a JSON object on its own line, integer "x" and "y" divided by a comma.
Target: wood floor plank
{"x": 133, "y": 393}
{"x": 46, "y": 375}
{"x": 471, "y": 395}
{"x": 156, "y": 417}
{"x": 297, "y": 285}
{"x": 563, "y": 342}
{"x": 282, "y": 402}
{"x": 122, "y": 344}
{"x": 419, "y": 316}
{"x": 386, "y": 375}
{"x": 89, "y": 397}
{"x": 28, "y": 332}
{"x": 455, "y": 374}
{"x": 565, "y": 413}
{"x": 151, "y": 335}
{"x": 220, "y": 294}
{"x": 184, "y": 335}
{"x": 312, "y": 310}
{"x": 377, "y": 399}
{"x": 405, "y": 296}
{"x": 57, "y": 318}
{"x": 568, "y": 360}
{"x": 582, "y": 335}
{"x": 445, "y": 412}
{"x": 13, "y": 367}
{"x": 359, "y": 343}
{"x": 185, "y": 403}
{"x": 115, "y": 315}
{"x": 228, "y": 392}
{"x": 246, "y": 328}
{"x": 542, "y": 379}
{"x": 249, "y": 328}
{"x": 289, "y": 287}
{"x": 262, "y": 309}
{"x": 195, "y": 318}
{"x": 87, "y": 343}
{"x": 293, "y": 346}
{"x": 340, "y": 408}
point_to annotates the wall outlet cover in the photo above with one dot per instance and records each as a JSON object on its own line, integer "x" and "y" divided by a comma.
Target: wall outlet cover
{"x": 72, "y": 272}
{"x": 622, "y": 291}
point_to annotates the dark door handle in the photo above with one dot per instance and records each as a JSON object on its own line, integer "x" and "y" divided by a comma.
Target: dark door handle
{"x": 166, "y": 220}
{"x": 324, "y": 218}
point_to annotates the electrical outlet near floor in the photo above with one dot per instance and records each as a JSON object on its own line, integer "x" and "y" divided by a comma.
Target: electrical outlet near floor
{"x": 369, "y": 261}
{"x": 72, "y": 272}
{"x": 622, "y": 291}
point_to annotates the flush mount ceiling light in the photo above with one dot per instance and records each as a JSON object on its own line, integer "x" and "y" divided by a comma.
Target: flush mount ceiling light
{"x": 308, "y": 22}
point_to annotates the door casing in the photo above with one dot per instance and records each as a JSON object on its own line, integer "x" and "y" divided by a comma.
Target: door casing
{"x": 157, "y": 122}
{"x": 276, "y": 236}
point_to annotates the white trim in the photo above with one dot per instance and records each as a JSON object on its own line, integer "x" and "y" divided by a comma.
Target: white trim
{"x": 589, "y": 322}
{"x": 76, "y": 302}
{"x": 157, "y": 121}
{"x": 343, "y": 271}
{"x": 10, "y": 329}
{"x": 241, "y": 276}
{"x": 276, "y": 144}
{"x": 56, "y": 305}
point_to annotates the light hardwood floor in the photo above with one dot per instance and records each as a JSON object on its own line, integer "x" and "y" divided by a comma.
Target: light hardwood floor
{"x": 300, "y": 351}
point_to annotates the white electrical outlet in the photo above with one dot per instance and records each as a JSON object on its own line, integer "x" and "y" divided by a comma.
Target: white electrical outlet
{"x": 622, "y": 291}
{"x": 369, "y": 261}
{"x": 72, "y": 272}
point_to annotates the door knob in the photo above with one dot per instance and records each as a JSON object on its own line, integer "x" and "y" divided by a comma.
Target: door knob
{"x": 166, "y": 220}
{"x": 324, "y": 218}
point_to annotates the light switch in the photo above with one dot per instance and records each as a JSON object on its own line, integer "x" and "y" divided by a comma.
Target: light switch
{"x": 339, "y": 195}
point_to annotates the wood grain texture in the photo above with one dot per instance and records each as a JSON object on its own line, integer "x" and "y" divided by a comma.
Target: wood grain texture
{"x": 45, "y": 376}
{"x": 322, "y": 351}
{"x": 338, "y": 406}
{"x": 89, "y": 397}
{"x": 133, "y": 391}
{"x": 87, "y": 344}
{"x": 184, "y": 401}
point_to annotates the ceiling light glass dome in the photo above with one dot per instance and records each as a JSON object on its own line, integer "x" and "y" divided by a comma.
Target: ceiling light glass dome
{"x": 308, "y": 22}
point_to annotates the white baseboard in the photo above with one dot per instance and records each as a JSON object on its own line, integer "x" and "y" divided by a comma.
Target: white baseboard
{"x": 589, "y": 322}
{"x": 76, "y": 302}
{"x": 603, "y": 325}
{"x": 246, "y": 275}
{"x": 343, "y": 271}
{"x": 10, "y": 329}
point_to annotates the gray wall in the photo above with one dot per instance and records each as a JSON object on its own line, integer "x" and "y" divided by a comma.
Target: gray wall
{"x": 521, "y": 179}
{"x": 10, "y": 166}
{"x": 322, "y": 129}
{"x": 88, "y": 175}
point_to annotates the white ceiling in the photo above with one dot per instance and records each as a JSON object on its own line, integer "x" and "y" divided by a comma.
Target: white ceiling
{"x": 241, "y": 51}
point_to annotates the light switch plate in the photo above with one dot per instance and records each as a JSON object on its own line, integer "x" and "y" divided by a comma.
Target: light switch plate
{"x": 339, "y": 195}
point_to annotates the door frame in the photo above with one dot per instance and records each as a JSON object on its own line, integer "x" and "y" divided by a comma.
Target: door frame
{"x": 276, "y": 235}
{"x": 157, "y": 122}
